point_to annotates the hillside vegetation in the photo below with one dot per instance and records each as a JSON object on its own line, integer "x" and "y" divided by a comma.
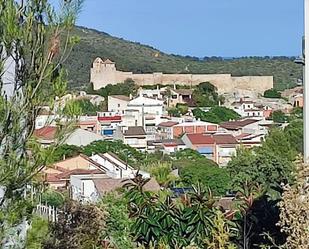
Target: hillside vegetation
{"x": 139, "y": 58}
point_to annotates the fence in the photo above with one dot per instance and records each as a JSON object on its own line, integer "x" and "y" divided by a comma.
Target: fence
{"x": 48, "y": 212}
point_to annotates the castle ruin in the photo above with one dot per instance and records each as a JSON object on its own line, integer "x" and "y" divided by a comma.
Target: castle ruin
{"x": 105, "y": 72}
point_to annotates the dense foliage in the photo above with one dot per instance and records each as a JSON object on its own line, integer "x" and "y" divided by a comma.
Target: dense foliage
{"x": 125, "y": 152}
{"x": 138, "y": 58}
{"x": 165, "y": 223}
{"x": 206, "y": 172}
{"x": 31, "y": 62}
{"x": 259, "y": 174}
{"x": 127, "y": 88}
{"x": 216, "y": 114}
{"x": 279, "y": 116}
{"x": 78, "y": 227}
{"x": 272, "y": 93}
{"x": 118, "y": 222}
{"x": 86, "y": 107}
{"x": 205, "y": 95}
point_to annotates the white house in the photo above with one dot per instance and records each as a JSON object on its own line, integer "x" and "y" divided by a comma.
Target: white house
{"x": 81, "y": 137}
{"x": 116, "y": 168}
{"x": 90, "y": 188}
{"x": 134, "y": 136}
{"x": 82, "y": 187}
{"x": 117, "y": 103}
{"x": 151, "y": 93}
{"x": 247, "y": 108}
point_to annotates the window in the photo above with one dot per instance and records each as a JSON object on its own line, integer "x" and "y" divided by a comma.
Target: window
{"x": 174, "y": 96}
{"x": 118, "y": 105}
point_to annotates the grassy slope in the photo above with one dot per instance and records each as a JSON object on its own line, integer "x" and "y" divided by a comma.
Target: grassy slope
{"x": 139, "y": 58}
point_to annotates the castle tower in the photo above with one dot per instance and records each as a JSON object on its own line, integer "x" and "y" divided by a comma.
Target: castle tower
{"x": 103, "y": 73}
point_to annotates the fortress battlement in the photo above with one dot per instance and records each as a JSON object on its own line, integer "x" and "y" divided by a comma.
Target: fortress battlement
{"x": 105, "y": 72}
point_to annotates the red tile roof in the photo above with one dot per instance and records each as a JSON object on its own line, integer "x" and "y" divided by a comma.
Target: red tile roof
{"x": 225, "y": 139}
{"x": 47, "y": 132}
{"x": 168, "y": 124}
{"x": 201, "y": 138}
{"x": 110, "y": 118}
{"x": 212, "y": 139}
{"x": 66, "y": 175}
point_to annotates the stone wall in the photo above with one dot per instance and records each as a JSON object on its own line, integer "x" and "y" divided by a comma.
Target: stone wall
{"x": 103, "y": 74}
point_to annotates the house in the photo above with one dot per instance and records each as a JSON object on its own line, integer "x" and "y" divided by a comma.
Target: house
{"x": 151, "y": 93}
{"x": 116, "y": 168}
{"x": 180, "y": 96}
{"x": 134, "y": 136}
{"x": 248, "y": 125}
{"x": 108, "y": 123}
{"x": 195, "y": 127}
{"x": 47, "y": 136}
{"x": 80, "y": 137}
{"x": 88, "y": 123}
{"x": 117, "y": 103}
{"x": 105, "y": 185}
{"x": 45, "y": 117}
{"x": 58, "y": 175}
{"x": 298, "y": 101}
{"x": 147, "y": 105}
{"x": 247, "y": 108}
{"x": 82, "y": 187}
{"x": 217, "y": 147}
{"x": 90, "y": 188}
{"x": 167, "y": 146}
{"x": 165, "y": 130}
{"x": 250, "y": 140}
{"x": 149, "y": 112}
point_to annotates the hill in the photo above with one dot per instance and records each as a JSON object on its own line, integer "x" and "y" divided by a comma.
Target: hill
{"x": 132, "y": 56}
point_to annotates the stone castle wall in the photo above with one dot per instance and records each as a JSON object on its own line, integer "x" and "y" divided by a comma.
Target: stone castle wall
{"x": 103, "y": 73}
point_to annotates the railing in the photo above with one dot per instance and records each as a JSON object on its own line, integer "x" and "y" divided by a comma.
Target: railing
{"x": 48, "y": 212}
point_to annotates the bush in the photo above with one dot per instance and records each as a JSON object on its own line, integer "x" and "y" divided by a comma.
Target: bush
{"x": 53, "y": 198}
{"x": 37, "y": 234}
{"x": 217, "y": 114}
{"x": 279, "y": 117}
{"x": 206, "y": 172}
{"x": 272, "y": 93}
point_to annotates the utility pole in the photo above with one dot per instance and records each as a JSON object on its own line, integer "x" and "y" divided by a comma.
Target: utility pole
{"x": 306, "y": 82}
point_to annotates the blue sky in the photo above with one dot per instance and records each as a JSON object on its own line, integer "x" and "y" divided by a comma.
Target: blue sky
{"x": 202, "y": 27}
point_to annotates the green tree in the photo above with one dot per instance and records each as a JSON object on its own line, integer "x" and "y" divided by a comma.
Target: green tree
{"x": 37, "y": 234}
{"x": 279, "y": 117}
{"x": 182, "y": 108}
{"x": 205, "y": 95}
{"x": 272, "y": 93}
{"x": 294, "y": 133}
{"x": 31, "y": 34}
{"x": 118, "y": 222}
{"x": 125, "y": 152}
{"x": 217, "y": 114}
{"x": 206, "y": 172}
{"x": 126, "y": 88}
{"x": 173, "y": 112}
{"x": 162, "y": 171}
{"x": 85, "y": 106}
{"x": 65, "y": 151}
